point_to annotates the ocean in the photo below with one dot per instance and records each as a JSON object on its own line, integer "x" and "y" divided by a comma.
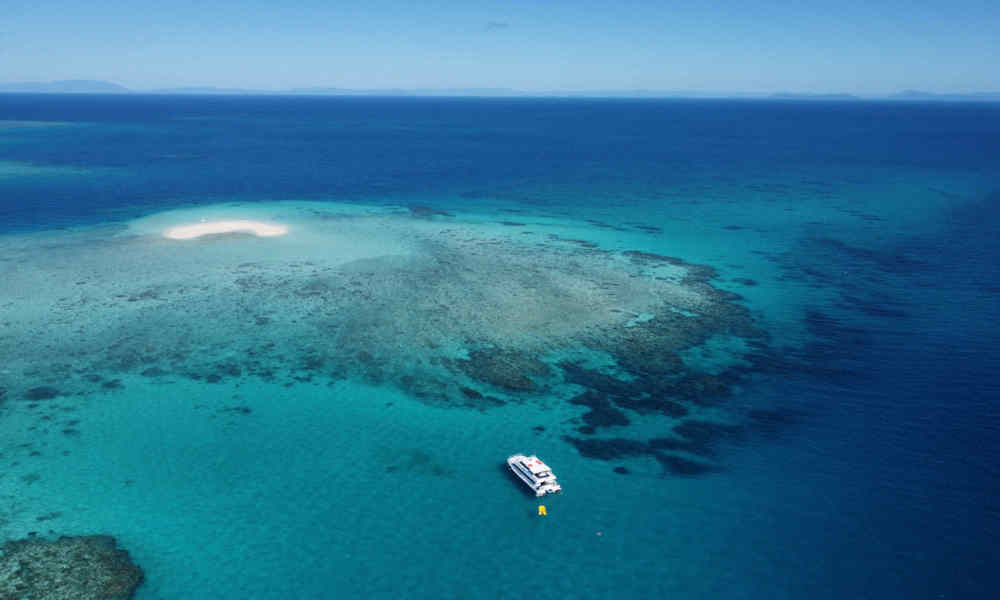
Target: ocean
{"x": 755, "y": 340}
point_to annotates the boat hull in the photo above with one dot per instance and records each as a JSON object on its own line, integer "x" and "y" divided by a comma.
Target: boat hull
{"x": 538, "y": 487}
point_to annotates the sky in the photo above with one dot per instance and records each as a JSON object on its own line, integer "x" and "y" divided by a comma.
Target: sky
{"x": 808, "y": 46}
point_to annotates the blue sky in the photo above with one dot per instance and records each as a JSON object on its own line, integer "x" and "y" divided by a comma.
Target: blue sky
{"x": 855, "y": 46}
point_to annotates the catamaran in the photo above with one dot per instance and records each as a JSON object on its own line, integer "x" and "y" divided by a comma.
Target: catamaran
{"x": 536, "y": 474}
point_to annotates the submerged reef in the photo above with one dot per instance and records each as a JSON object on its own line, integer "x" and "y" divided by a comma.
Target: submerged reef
{"x": 42, "y": 392}
{"x": 505, "y": 369}
{"x": 455, "y": 314}
{"x": 69, "y": 568}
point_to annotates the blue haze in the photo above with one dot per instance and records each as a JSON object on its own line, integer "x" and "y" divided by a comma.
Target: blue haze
{"x": 854, "y": 47}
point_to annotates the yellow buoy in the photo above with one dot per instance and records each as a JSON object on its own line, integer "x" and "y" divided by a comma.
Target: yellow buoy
{"x": 541, "y": 510}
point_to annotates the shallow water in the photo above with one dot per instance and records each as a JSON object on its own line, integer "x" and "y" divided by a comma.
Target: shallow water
{"x": 777, "y": 318}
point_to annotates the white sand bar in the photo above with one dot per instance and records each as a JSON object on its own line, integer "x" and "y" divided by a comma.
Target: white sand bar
{"x": 258, "y": 228}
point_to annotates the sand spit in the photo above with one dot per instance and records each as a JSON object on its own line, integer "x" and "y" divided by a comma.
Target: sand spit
{"x": 197, "y": 230}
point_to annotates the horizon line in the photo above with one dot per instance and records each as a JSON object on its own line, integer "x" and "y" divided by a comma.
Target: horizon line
{"x": 97, "y": 87}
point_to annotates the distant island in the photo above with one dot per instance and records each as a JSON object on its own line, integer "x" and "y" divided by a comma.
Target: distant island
{"x": 84, "y": 86}
{"x": 918, "y": 95}
{"x": 73, "y": 86}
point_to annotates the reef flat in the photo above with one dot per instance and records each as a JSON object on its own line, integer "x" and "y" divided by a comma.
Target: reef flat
{"x": 454, "y": 312}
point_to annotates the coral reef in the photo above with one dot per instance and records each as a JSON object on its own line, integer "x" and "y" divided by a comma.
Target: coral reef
{"x": 42, "y": 392}
{"x": 69, "y": 568}
{"x": 601, "y": 413}
{"x": 618, "y": 448}
{"x": 507, "y": 369}
{"x": 453, "y": 314}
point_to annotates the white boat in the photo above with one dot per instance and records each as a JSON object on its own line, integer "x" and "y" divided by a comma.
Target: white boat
{"x": 532, "y": 471}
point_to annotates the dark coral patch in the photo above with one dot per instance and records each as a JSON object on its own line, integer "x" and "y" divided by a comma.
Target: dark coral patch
{"x": 650, "y": 404}
{"x": 595, "y": 380}
{"x": 649, "y": 355}
{"x": 615, "y": 448}
{"x": 621, "y": 470}
{"x": 507, "y": 369}
{"x": 311, "y": 361}
{"x": 483, "y": 403}
{"x": 42, "y": 392}
{"x": 672, "y": 444}
{"x": 698, "y": 274}
{"x": 229, "y": 368}
{"x": 603, "y": 225}
{"x": 639, "y": 256}
{"x": 470, "y": 393}
{"x": 426, "y": 212}
{"x": 682, "y": 466}
{"x": 427, "y": 389}
{"x": 581, "y": 243}
{"x": 707, "y": 434}
{"x": 653, "y": 395}
{"x": 701, "y": 438}
{"x": 701, "y": 388}
{"x": 608, "y": 449}
{"x": 413, "y": 460}
{"x": 601, "y": 413}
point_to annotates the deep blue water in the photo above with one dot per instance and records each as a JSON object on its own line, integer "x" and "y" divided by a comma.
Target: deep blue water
{"x": 183, "y": 148}
{"x": 869, "y": 227}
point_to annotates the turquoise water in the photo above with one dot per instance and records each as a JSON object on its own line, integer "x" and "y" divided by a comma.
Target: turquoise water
{"x": 328, "y": 411}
